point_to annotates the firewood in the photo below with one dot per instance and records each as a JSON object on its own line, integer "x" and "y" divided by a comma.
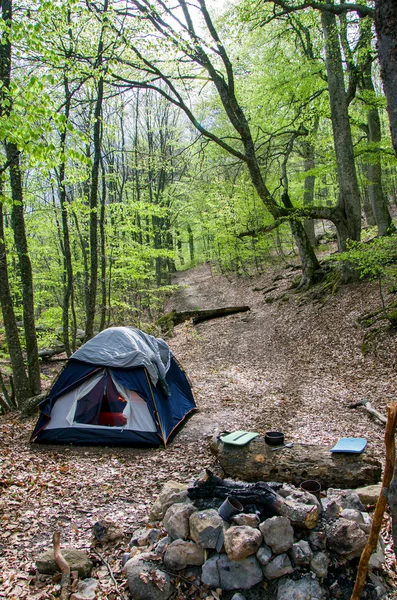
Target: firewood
{"x": 63, "y": 566}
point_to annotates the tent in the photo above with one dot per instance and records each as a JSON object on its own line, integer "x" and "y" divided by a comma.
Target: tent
{"x": 121, "y": 387}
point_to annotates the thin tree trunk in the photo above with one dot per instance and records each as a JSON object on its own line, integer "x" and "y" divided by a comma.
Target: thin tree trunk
{"x": 102, "y": 236}
{"x": 308, "y": 194}
{"x": 21, "y": 382}
{"x": 18, "y": 226}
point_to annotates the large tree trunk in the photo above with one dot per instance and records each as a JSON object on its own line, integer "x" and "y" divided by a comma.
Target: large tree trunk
{"x": 375, "y": 189}
{"x": 349, "y": 196}
{"x": 386, "y": 29}
{"x": 21, "y": 383}
{"x": 308, "y": 194}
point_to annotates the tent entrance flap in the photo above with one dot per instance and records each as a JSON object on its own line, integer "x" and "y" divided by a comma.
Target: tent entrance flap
{"x": 102, "y": 405}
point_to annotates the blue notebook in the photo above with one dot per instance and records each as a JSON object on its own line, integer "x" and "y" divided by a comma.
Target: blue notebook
{"x": 355, "y": 445}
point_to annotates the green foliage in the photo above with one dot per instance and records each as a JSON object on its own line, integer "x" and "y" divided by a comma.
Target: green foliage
{"x": 375, "y": 259}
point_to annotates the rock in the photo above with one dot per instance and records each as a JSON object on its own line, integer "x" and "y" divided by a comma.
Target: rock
{"x": 156, "y": 511}
{"x": 278, "y": 534}
{"x": 330, "y": 507}
{"x": 352, "y": 514}
{"x": 146, "y": 581}
{"x": 161, "y": 546}
{"x": 77, "y": 560}
{"x": 303, "y": 515}
{"x": 176, "y": 520}
{"x": 301, "y": 553}
{"x": 173, "y": 492}
{"x": 369, "y": 494}
{"x": 106, "y": 531}
{"x": 264, "y": 555}
{"x": 367, "y": 522}
{"x": 242, "y": 541}
{"x": 345, "y": 498}
{"x": 145, "y": 536}
{"x": 180, "y": 554}
{"x": 246, "y": 519}
{"x": 379, "y": 585}
{"x": 305, "y": 588}
{"x": 319, "y": 564}
{"x": 278, "y": 567}
{"x": 318, "y": 540}
{"x": 205, "y": 527}
{"x": 303, "y": 497}
{"x": 125, "y": 558}
{"x": 86, "y": 590}
{"x": 346, "y": 539}
{"x": 238, "y": 596}
{"x": 378, "y": 558}
{"x": 221, "y": 572}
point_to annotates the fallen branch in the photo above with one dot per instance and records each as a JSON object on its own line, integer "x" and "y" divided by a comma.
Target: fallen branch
{"x": 63, "y": 566}
{"x": 177, "y": 317}
{"x": 109, "y": 571}
{"x": 372, "y": 411}
{"x": 381, "y": 503}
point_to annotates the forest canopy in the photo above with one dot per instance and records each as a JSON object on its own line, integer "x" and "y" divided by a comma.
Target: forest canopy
{"x": 141, "y": 137}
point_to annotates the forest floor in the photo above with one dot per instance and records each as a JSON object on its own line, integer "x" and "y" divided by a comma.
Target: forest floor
{"x": 293, "y": 365}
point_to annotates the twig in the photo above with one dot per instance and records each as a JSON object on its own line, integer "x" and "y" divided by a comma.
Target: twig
{"x": 94, "y": 551}
{"x": 372, "y": 411}
{"x": 381, "y": 503}
{"x": 63, "y": 566}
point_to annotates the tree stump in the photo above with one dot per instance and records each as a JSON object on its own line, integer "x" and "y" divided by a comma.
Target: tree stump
{"x": 257, "y": 462}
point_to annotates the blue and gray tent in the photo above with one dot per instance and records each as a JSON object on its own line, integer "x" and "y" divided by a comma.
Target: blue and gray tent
{"x": 122, "y": 387}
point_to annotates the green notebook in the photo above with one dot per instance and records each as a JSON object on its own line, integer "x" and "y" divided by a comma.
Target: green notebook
{"x": 238, "y": 438}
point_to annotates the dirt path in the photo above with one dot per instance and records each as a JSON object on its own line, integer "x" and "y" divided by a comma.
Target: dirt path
{"x": 291, "y": 365}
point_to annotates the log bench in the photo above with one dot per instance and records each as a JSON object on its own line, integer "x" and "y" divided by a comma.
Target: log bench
{"x": 257, "y": 462}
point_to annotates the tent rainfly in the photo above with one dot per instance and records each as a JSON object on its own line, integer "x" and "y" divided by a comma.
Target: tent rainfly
{"x": 121, "y": 387}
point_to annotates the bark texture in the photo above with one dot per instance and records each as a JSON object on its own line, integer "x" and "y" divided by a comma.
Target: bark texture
{"x": 257, "y": 462}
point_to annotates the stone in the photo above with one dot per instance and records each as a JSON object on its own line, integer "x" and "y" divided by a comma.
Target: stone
{"x": 346, "y": 539}
{"x": 319, "y": 564}
{"x": 318, "y": 540}
{"x": 238, "y": 596}
{"x": 330, "y": 507}
{"x": 367, "y": 522}
{"x": 156, "y": 511}
{"x": 250, "y": 520}
{"x": 301, "y": 553}
{"x": 352, "y": 514}
{"x": 145, "y": 536}
{"x": 303, "y": 497}
{"x": 205, "y": 527}
{"x": 345, "y": 498}
{"x": 176, "y": 520}
{"x": 379, "y": 585}
{"x": 305, "y": 588}
{"x": 221, "y": 572}
{"x": 303, "y": 515}
{"x": 147, "y": 581}
{"x": 173, "y": 492}
{"x": 286, "y": 490}
{"x": 161, "y": 546}
{"x": 125, "y": 558}
{"x": 180, "y": 554}
{"x": 378, "y": 558}
{"x": 369, "y": 494}
{"x": 86, "y": 590}
{"x": 241, "y": 541}
{"x": 107, "y": 530}
{"x": 264, "y": 555}
{"x": 77, "y": 560}
{"x": 278, "y": 534}
{"x": 278, "y": 567}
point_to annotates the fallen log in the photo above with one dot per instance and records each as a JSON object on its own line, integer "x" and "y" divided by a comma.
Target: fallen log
{"x": 174, "y": 317}
{"x": 257, "y": 462}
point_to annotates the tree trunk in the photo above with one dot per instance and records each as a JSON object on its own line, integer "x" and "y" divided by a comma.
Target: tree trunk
{"x": 349, "y": 196}
{"x": 308, "y": 195}
{"x": 375, "y": 189}
{"x": 21, "y": 383}
{"x": 18, "y": 226}
{"x": 386, "y": 29}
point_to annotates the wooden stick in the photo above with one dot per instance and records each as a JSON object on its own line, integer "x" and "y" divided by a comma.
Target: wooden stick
{"x": 63, "y": 566}
{"x": 381, "y": 503}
